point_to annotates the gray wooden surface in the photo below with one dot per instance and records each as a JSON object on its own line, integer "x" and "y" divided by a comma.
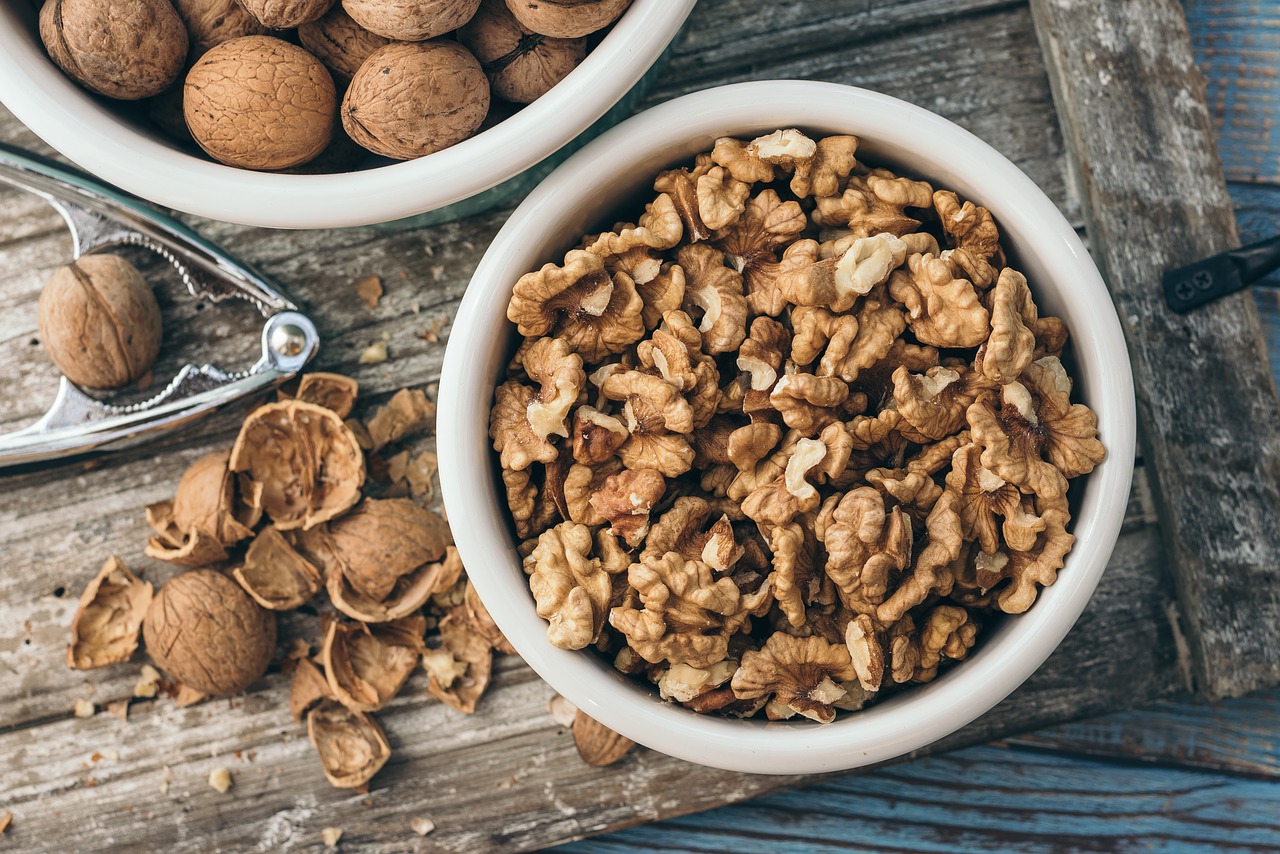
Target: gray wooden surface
{"x": 506, "y": 778}
{"x": 1155, "y": 200}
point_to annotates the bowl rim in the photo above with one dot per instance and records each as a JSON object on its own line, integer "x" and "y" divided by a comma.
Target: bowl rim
{"x": 899, "y": 724}
{"x": 83, "y": 129}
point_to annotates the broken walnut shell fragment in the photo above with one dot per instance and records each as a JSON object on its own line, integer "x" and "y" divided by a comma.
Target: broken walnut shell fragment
{"x": 407, "y": 413}
{"x": 597, "y": 744}
{"x": 109, "y": 617}
{"x": 306, "y": 460}
{"x": 381, "y": 541}
{"x": 332, "y": 391}
{"x": 275, "y": 575}
{"x": 206, "y": 633}
{"x": 483, "y": 623}
{"x": 352, "y": 746}
{"x": 307, "y": 688}
{"x": 366, "y": 665}
{"x": 472, "y": 660}
{"x": 210, "y": 512}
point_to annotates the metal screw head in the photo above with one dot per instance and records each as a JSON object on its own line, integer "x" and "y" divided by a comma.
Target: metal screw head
{"x": 287, "y": 339}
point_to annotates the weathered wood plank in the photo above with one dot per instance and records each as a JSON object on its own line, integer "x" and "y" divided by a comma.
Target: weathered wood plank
{"x": 458, "y": 770}
{"x": 1132, "y": 109}
{"x": 505, "y": 779}
{"x": 984, "y": 799}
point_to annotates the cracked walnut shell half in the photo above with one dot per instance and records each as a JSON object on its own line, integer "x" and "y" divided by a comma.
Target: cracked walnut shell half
{"x": 305, "y": 460}
{"x": 108, "y": 618}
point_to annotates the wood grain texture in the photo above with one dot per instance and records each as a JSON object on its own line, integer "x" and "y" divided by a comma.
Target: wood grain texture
{"x": 1238, "y": 736}
{"x": 506, "y": 779}
{"x": 984, "y": 799}
{"x": 1237, "y": 46}
{"x": 1132, "y": 110}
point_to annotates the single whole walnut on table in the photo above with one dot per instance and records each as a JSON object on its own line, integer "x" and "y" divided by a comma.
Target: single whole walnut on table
{"x": 787, "y": 442}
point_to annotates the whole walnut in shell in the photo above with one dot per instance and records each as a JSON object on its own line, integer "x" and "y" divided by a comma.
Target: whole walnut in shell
{"x": 100, "y": 322}
{"x": 286, "y": 14}
{"x": 260, "y": 103}
{"x": 339, "y": 42}
{"x": 411, "y": 20}
{"x": 521, "y": 65}
{"x": 212, "y": 22}
{"x": 206, "y": 632}
{"x": 567, "y": 19}
{"x": 126, "y": 49}
{"x": 409, "y": 100}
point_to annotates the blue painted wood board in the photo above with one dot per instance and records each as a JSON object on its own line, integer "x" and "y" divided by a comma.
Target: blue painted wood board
{"x": 984, "y": 799}
{"x": 1237, "y": 46}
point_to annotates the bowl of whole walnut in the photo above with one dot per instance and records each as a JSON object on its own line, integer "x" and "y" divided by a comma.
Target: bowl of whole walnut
{"x": 320, "y": 113}
{"x": 792, "y": 424}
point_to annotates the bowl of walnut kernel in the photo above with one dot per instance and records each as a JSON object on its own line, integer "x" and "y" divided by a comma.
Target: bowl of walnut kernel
{"x": 787, "y": 427}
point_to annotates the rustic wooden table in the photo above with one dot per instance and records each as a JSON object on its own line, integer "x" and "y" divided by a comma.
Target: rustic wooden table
{"x": 1097, "y": 101}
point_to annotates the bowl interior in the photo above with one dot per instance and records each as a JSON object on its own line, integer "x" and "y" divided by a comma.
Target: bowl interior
{"x": 611, "y": 179}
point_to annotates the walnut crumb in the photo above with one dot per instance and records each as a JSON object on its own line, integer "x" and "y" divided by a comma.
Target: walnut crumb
{"x": 148, "y": 684}
{"x": 375, "y": 354}
{"x": 84, "y": 708}
{"x": 330, "y": 836}
{"x": 369, "y": 289}
{"x": 6, "y": 821}
{"x": 220, "y": 780}
{"x": 422, "y": 826}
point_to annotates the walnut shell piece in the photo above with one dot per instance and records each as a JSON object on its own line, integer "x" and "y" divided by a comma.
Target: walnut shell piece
{"x": 108, "y": 618}
{"x": 462, "y": 680}
{"x": 410, "y": 592}
{"x": 411, "y": 20}
{"x": 598, "y": 745}
{"x": 275, "y": 575}
{"x": 567, "y": 19}
{"x": 307, "y": 688}
{"x": 522, "y": 65}
{"x": 410, "y": 100}
{"x": 407, "y": 413}
{"x": 381, "y": 542}
{"x": 366, "y": 665}
{"x": 125, "y": 49}
{"x": 286, "y": 14}
{"x": 100, "y": 322}
{"x": 306, "y": 460}
{"x": 352, "y": 746}
{"x": 483, "y": 623}
{"x": 206, "y": 632}
{"x": 260, "y": 103}
{"x": 339, "y": 42}
{"x": 208, "y": 515}
{"x": 332, "y": 391}
{"x": 212, "y": 22}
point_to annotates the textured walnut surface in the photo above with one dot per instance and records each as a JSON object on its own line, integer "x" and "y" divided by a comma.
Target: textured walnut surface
{"x": 100, "y": 322}
{"x": 408, "y": 100}
{"x": 208, "y": 634}
{"x": 260, "y": 102}
{"x": 127, "y": 49}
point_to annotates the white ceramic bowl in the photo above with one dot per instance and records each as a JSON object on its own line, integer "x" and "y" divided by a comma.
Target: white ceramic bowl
{"x": 577, "y": 198}
{"x": 90, "y": 132}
